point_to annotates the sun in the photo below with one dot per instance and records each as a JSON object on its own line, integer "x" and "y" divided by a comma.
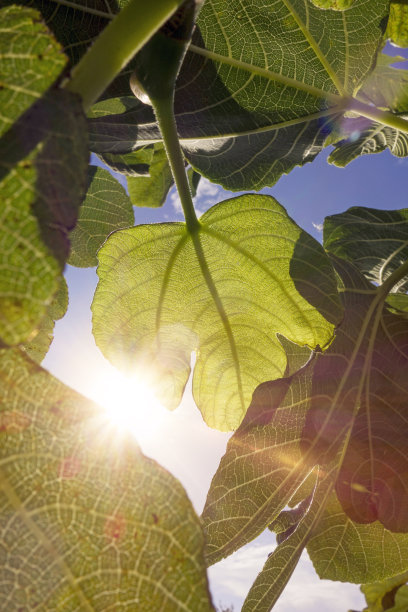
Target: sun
{"x": 129, "y": 404}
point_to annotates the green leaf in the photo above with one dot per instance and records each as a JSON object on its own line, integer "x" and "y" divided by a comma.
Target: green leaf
{"x": 38, "y": 347}
{"x": 397, "y": 27}
{"x": 398, "y": 301}
{"x": 376, "y": 241}
{"x": 261, "y": 469}
{"x": 390, "y": 595}
{"x": 114, "y": 106}
{"x": 136, "y": 163}
{"x": 30, "y": 61}
{"x": 386, "y": 87}
{"x": 90, "y": 522}
{"x": 152, "y": 190}
{"x": 297, "y": 356}
{"x": 279, "y": 566}
{"x": 106, "y": 208}
{"x": 43, "y": 164}
{"x": 337, "y": 5}
{"x": 76, "y": 25}
{"x": 229, "y": 314}
{"x": 341, "y": 549}
{"x": 267, "y": 90}
{"x": 349, "y": 400}
{"x": 366, "y": 137}
{"x": 193, "y": 180}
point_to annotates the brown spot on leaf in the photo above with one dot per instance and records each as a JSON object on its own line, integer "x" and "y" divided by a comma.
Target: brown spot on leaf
{"x": 115, "y": 527}
{"x": 69, "y": 467}
{"x": 13, "y": 422}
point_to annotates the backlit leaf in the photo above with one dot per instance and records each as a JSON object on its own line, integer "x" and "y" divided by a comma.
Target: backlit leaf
{"x": 360, "y": 389}
{"x": 397, "y": 27}
{"x": 229, "y": 313}
{"x": 152, "y": 190}
{"x": 260, "y": 471}
{"x": 354, "y": 393}
{"x": 106, "y": 208}
{"x": 270, "y": 86}
{"x": 136, "y": 163}
{"x": 30, "y": 62}
{"x": 336, "y": 5}
{"x": 38, "y": 347}
{"x": 366, "y": 137}
{"x": 193, "y": 180}
{"x": 391, "y": 595}
{"x": 279, "y": 566}
{"x": 386, "y": 87}
{"x": 76, "y": 25}
{"x": 43, "y": 164}
{"x": 341, "y": 549}
{"x": 87, "y": 521}
{"x": 376, "y": 241}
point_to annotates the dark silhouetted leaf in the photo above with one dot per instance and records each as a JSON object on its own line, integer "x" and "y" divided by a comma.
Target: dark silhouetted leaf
{"x": 277, "y": 91}
{"x": 87, "y": 522}
{"x": 359, "y": 389}
{"x": 348, "y": 403}
{"x": 106, "y": 208}
{"x": 367, "y": 137}
{"x": 228, "y": 313}
{"x": 43, "y": 164}
{"x": 376, "y": 241}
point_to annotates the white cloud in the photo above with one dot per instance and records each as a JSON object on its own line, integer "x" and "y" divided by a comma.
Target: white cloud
{"x": 207, "y": 195}
{"x": 318, "y": 226}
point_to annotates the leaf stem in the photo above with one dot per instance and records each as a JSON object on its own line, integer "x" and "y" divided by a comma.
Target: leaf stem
{"x": 116, "y": 45}
{"x": 167, "y": 123}
{"x": 384, "y": 117}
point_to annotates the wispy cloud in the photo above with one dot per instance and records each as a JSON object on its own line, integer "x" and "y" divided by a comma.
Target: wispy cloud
{"x": 318, "y": 226}
{"x": 207, "y": 195}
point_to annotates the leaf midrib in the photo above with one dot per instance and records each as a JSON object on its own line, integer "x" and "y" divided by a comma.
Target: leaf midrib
{"x": 211, "y": 286}
{"x": 313, "y": 44}
{"x": 239, "y": 249}
{"x": 272, "y": 76}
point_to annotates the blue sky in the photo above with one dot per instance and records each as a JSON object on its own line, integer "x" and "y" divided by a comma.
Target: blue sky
{"x": 181, "y": 441}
